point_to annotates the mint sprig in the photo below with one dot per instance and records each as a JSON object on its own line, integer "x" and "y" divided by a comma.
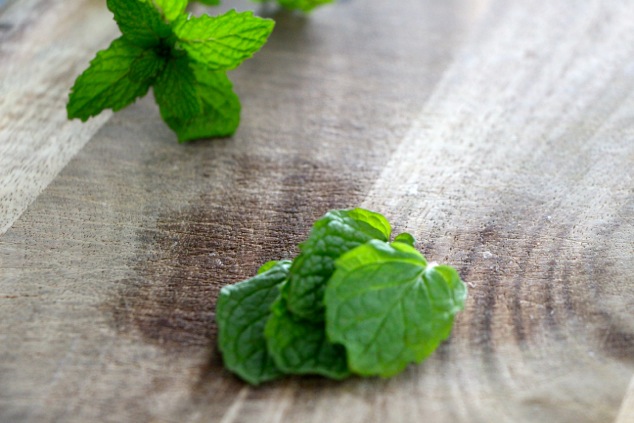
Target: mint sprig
{"x": 185, "y": 60}
{"x": 361, "y": 305}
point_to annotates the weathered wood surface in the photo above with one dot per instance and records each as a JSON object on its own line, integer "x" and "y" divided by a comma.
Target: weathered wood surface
{"x": 43, "y": 46}
{"x": 501, "y": 133}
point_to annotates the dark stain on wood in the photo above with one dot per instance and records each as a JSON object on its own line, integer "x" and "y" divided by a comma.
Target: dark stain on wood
{"x": 619, "y": 343}
{"x": 194, "y": 252}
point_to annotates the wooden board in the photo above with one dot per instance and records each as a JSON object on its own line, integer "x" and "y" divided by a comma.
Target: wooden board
{"x": 501, "y": 133}
{"x": 43, "y": 46}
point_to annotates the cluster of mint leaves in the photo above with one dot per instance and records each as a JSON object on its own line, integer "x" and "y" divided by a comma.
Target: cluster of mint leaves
{"x": 350, "y": 303}
{"x": 185, "y": 59}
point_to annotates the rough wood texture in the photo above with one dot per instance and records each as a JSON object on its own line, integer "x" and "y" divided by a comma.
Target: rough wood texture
{"x": 500, "y": 133}
{"x": 43, "y": 46}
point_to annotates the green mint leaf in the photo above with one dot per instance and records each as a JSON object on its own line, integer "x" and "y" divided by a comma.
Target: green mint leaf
{"x": 303, "y": 5}
{"x": 334, "y": 234}
{"x": 222, "y": 42}
{"x": 299, "y": 346}
{"x": 389, "y": 308}
{"x": 140, "y": 21}
{"x": 267, "y": 266}
{"x": 171, "y": 9}
{"x": 405, "y": 238}
{"x": 108, "y": 82}
{"x": 176, "y": 92}
{"x": 147, "y": 67}
{"x": 209, "y": 2}
{"x": 220, "y": 113}
{"x": 241, "y": 314}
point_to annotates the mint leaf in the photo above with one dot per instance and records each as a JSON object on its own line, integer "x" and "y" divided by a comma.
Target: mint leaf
{"x": 334, "y": 234}
{"x": 108, "y": 82}
{"x": 303, "y": 5}
{"x": 389, "y": 308}
{"x": 176, "y": 91}
{"x": 147, "y": 67}
{"x": 220, "y": 108}
{"x": 405, "y": 238}
{"x": 171, "y": 9}
{"x": 241, "y": 314}
{"x": 225, "y": 41}
{"x": 299, "y": 346}
{"x": 140, "y": 21}
{"x": 267, "y": 266}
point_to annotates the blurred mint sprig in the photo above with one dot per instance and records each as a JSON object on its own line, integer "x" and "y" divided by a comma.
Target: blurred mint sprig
{"x": 184, "y": 59}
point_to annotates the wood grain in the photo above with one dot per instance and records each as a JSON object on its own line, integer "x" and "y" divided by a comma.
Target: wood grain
{"x": 43, "y": 47}
{"x": 500, "y": 133}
